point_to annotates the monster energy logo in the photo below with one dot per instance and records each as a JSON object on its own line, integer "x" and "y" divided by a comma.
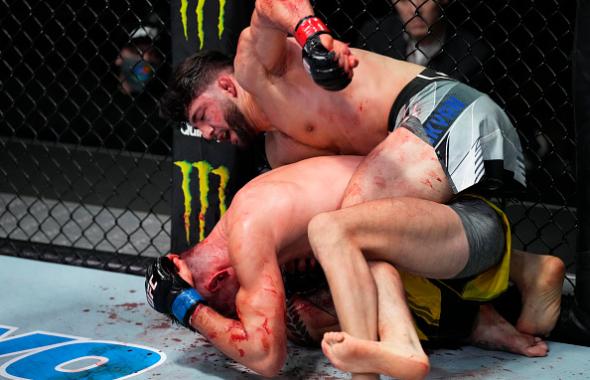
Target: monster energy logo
{"x": 199, "y": 13}
{"x": 204, "y": 169}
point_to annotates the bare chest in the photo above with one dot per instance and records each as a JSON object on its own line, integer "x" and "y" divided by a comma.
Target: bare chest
{"x": 336, "y": 125}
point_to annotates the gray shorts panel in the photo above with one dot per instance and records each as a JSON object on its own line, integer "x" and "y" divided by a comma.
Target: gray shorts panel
{"x": 473, "y": 138}
{"x": 485, "y": 234}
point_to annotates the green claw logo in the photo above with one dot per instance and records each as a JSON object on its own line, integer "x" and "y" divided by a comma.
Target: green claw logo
{"x": 204, "y": 168}
{"x": 184, "y": 15}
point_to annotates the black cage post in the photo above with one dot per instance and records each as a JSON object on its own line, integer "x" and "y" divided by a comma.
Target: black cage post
{"x": 581, "y": 87}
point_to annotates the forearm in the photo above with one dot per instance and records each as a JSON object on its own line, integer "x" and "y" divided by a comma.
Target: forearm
{"x": 257, "y": 339}
{"x": 256, "y": 348}
{"x": 283, "y": 15}
{"x": 263, "y": 45}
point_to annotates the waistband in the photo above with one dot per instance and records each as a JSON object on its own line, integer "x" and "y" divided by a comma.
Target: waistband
{"x": 426, "y": 77}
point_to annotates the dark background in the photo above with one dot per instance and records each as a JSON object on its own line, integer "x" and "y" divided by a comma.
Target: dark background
{"x": 68, "y": 134}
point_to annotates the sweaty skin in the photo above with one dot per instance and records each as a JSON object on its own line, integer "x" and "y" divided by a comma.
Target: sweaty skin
{"x": 236, "y": 269}
{"x": 272, "y": 88}
{"x": 246, "y": 248}
{"x": 355, "y": 121}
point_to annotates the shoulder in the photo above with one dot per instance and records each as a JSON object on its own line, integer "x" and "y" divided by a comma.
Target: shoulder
{"x": 244, "y": 49}
{"x": 245, "y": 61}
{"x": 261, "y": 208}
{"x": 250, "y": 70}
{"x": 267, "y": 191}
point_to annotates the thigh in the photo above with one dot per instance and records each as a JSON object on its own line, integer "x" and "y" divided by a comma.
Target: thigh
{"x": 417, "y": 236}
{"x": 402, "y": 165}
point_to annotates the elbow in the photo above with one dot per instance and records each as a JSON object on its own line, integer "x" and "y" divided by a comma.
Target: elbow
{"x": 269, "y": 372}
{"x": 271, "y": 364}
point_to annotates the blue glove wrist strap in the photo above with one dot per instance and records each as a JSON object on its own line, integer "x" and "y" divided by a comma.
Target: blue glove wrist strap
{"x": 184, "y": 302}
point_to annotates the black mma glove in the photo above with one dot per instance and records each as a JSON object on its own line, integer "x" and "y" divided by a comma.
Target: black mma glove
{"x": 317, "y": 60}
{"x": 168, "y": 293}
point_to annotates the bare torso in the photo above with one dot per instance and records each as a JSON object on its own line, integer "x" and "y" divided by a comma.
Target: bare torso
{"x": 351, "y": 121}
{"x": 284, "y": 200}
{"x": 265, "y": 227}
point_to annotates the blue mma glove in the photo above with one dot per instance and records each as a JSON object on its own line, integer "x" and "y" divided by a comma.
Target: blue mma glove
{"x": 168, "y": 293}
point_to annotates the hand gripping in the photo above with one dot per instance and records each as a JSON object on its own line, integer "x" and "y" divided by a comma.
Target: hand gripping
{"x": 318, "y": 61}
{"x": 168, "y": 293}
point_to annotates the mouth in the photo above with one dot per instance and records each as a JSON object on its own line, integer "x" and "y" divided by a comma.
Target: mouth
{"x": 222, "y": 136}
{"x": 228, "y": 135}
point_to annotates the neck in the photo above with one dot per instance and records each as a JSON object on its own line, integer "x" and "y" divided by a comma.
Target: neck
{"x": 252, "y": 112}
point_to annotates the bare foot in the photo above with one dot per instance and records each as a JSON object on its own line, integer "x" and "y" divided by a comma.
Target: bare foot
{"x": 351, "y": 354}
{"x": 493, "y": 332}
{"x": 542, "y": 281}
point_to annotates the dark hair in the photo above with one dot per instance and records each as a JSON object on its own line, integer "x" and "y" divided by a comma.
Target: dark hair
{"x": 189, "y": 80}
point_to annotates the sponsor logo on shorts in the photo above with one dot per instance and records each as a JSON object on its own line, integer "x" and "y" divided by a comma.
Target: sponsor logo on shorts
{"x": 442, "y": 117}
{"x": 205, "y": 171}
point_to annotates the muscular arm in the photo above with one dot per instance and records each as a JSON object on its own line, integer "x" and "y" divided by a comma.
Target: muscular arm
{"x": 283, "y": 15}
{"x": 257, "y": 338}
{"x": 289, "y": 15}
{"x": 263, "y": 46}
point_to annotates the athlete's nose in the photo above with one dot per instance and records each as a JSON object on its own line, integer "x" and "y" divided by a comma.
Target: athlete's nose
{"x": 207, "y": 131}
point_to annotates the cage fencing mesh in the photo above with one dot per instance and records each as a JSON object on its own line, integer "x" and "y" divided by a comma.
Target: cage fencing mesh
{"x": 84, "y": 157}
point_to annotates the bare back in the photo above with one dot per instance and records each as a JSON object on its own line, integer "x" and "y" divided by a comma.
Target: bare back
{"x": 351, "y": 121}
{"x": 281, "y": 203}
{"x": 265, "y": 226}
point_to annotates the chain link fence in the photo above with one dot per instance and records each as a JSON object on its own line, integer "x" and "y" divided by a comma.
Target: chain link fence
{"x": 519, "y": 54}
{"x": 85, "y": 161}
{"x": 83, "y": 155}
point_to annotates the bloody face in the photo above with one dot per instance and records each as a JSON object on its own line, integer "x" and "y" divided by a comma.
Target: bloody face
{"x": 224, "y": 287}
{"x": 239, "y": 125}
{"x": 213, "y": 276}
{"x": 220, "y": 119}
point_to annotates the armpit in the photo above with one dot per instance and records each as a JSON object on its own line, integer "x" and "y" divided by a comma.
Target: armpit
{"x": 283, "y": 150}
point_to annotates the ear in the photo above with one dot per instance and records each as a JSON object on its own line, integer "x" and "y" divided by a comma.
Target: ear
{"x": 218, "y": 280}
{"x": 227, "y": 84}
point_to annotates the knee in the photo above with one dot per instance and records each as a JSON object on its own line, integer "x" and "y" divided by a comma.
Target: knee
{"x": 325, "y": 231}
{"x": 382, "y": 270}
{"x": 324, "y": 227}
